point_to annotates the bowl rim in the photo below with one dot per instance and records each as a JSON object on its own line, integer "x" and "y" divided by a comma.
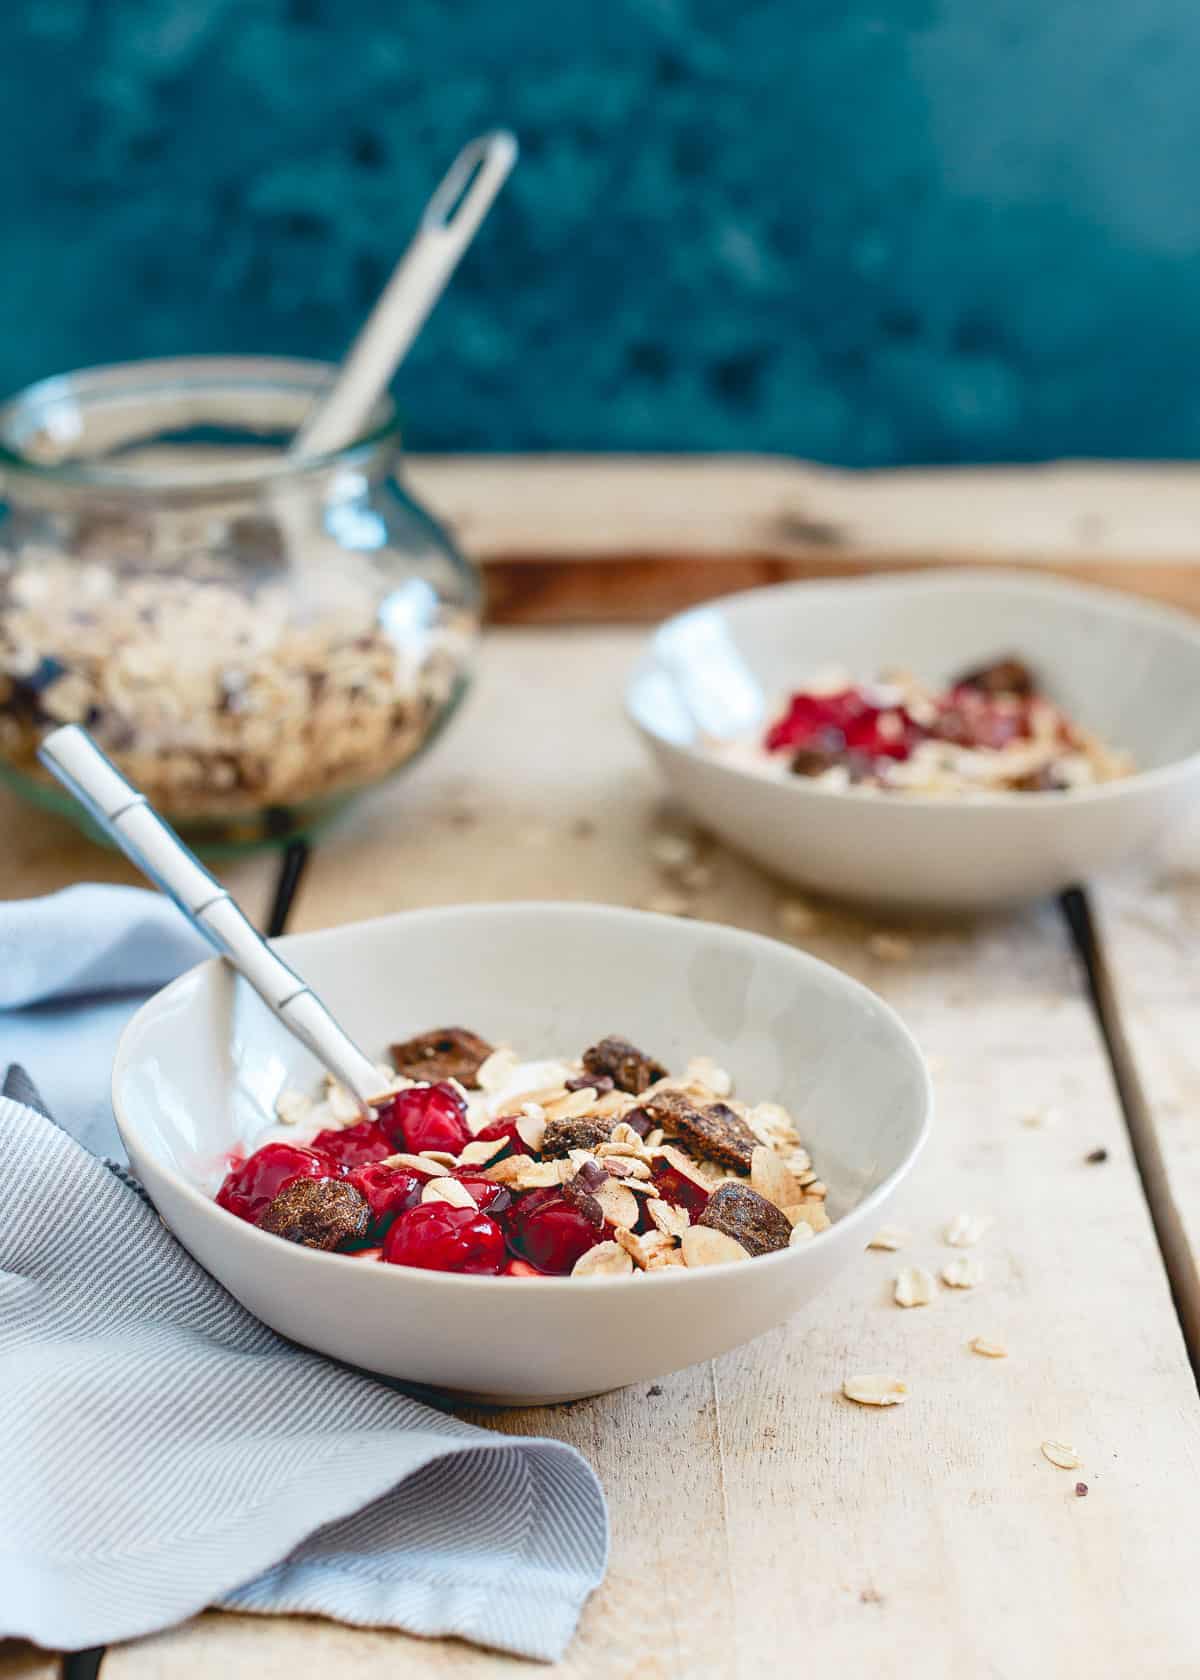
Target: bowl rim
{"x": 931, "y": 580}
{"x": 669, "y": 1277}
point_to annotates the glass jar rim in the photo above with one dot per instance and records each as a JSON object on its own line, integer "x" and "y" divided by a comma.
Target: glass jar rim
{"x": 53, "y": 400}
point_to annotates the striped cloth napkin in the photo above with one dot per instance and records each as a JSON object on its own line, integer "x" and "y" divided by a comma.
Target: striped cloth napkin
{"x": 163, "y": 1451}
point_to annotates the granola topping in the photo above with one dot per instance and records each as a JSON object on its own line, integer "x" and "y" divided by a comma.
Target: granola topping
{"x": 990, "y": 730}
{"x": 475, "y": 1160}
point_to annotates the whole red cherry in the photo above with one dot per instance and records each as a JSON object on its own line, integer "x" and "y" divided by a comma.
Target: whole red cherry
{"x": 387, "y": 1191}
{"x": 545, "y": 1229}
{"x": 256, "y": 1181}
{"x": 354, "y": 1146}
{"x": 425, "y": 1117}
{"x": 441, "y": 1238}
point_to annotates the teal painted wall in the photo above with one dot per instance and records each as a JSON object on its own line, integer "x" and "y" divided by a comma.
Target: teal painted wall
{"x": 908, "y": 231}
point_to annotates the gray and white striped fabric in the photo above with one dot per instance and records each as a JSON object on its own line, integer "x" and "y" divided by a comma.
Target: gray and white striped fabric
{"x": 161, "y": 1450}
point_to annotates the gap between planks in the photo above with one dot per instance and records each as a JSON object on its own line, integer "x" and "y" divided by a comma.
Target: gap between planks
{"x": 1179, "y": 1258}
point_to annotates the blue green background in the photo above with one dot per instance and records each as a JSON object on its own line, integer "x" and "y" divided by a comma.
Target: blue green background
{"x": 911, "y": 231}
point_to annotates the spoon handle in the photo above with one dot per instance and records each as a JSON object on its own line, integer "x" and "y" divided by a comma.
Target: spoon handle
{"x": 154, "y": 847}
{"x": 449, "y": 224}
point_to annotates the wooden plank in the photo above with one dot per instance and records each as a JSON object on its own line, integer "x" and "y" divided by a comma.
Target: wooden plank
{"x": 757, "y": 1515}
{"x": 1150, "y": 937}
{"x": 648, "y": 535}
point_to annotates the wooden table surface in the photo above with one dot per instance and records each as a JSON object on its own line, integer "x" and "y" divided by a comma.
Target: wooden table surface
{"x": 757, "y": 1516}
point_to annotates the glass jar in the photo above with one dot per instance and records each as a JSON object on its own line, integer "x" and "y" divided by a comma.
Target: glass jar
{"x": 251, "y": 640}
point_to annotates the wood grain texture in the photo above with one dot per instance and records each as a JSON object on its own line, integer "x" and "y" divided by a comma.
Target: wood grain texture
{"x": 758, "y": 1517}
{"x": 573, "y": 539}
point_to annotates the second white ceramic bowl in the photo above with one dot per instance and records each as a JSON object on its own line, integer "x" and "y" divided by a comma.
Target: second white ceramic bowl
{"x": 1128, "y": 670}
{"x": 200, "y": 1066}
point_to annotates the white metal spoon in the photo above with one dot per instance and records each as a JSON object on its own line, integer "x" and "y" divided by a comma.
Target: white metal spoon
{"x": 152, "y": 844}
{"x": 449, "y": 224}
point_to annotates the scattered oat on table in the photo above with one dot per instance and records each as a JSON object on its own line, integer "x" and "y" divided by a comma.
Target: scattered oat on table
{"x": 890, "y": 947}
{"x": 989, "y": 1350}
{"x": 965, "y": 1229}
{"x": 668, "y": 904}
{"x": 962, "y": 1273}
{"x": 1042, "y": 1117}
{"x": 914, "y": 1287}
{"x": 1061, "y": 1455}
{"x": 794, "y": 916}
{"x": 890, "y": 1237}
{"x": 673, "y": 852}
{"x": 875, "y": 1391}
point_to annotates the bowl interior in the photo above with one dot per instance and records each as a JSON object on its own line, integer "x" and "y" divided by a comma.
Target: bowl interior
{"x": 201, "y": 1065}
{"x": 1123, "y": 668}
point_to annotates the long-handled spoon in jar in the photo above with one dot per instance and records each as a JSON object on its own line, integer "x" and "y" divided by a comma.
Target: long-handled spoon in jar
{"x": 450, "y": 222}
{"x": 152, "y": 845}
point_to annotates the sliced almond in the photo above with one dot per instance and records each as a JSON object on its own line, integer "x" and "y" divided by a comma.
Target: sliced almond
{"x": 801, "y": 1234}
{"x": 518, "y": 1172}
{"x": 618, "y": 1204}
{"x": 673, "y": 1221}
{"x": 875, "y": 1391}
{"x": 633, "y": 1246}
{"x": 702, "y": 1070}
{"x": 664, "y": 1257}
{"x": 962, "y": 1272}
{"x": 1061, "y": 1455}
{"x": 702, "y": 1246}
{"x": 451, "y": 1190}
{"x": 989, "y": 1350}
{"x": 342, "y": 1105}
{"x": 625, "y": 1136}
{"x": 890, "y": 1237}
{"x": 812, "y": 1214}
{"x": 914, "y": 1287}
{"x": 495, "y": 1073}
{"x": 965, "y": 1229}
{"x": 418, "y": 1163}
{"x": 440, "y": 1157}
{"x": 771, "y": 1179}
{"x": 531, "y": 1128}
{"x": 477, "y": 1154}
{"x": 607, "y": 1259}
{"x": 292, "y": 1106}
{"x": 571, "y": 1105}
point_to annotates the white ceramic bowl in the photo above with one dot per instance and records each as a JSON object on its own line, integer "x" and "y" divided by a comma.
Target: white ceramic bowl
{"x": 201, "y": 1064}
{"x": 1128, "y": 670}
